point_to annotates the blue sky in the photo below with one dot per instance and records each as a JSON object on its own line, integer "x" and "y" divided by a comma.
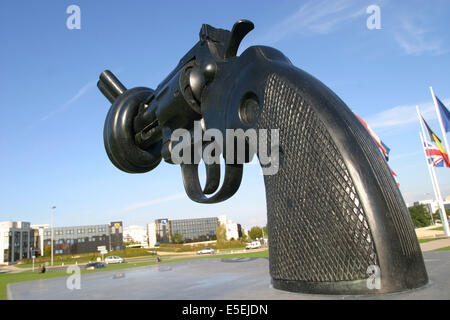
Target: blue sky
{"x": 52, "y": 114}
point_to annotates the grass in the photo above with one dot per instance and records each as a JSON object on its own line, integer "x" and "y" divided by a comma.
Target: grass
{"x": 429, "y": 239}
{"x": 30, "y": 276}
{"x": 133, "y": 252}
{"x": 443, "y": 249}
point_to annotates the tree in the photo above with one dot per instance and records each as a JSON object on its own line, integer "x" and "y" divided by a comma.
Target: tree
{"x": 177, "y": 238}
{"x": 221, "y": 233}
{"x": 255, "y": 232}
{"x": 437, "y": 215}
{"x": 265, "y": 232}
{"x": 420, "y": 216}
{"x": 47, "y": 251}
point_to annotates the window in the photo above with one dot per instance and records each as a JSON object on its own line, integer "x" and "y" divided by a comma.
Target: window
{"x": 80, "y": 231}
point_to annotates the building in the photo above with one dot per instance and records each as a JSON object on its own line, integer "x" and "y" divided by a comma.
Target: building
{"x": 84, "y": 239}
{"x": 432, "y": 205}
{"x": 16, "y": 239}
{"x": 232, "y": 228}
{"x": 135, "y": 235}
{"x": 38, "y": 238}
{"x": 190, "y": 230}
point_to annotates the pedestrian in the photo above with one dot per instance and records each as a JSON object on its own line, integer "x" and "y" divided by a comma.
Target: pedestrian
{"x": 158, "y": 258}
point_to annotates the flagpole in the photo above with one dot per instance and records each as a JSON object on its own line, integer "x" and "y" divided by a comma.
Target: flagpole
{"x": 429, "y": 170}
{"x": 442, "y": 212}
{"x": 441, "y": 124}
{"x": 429, "y": 165}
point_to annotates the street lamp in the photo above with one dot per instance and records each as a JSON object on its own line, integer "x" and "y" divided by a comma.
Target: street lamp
{"x": 51, "y": 226}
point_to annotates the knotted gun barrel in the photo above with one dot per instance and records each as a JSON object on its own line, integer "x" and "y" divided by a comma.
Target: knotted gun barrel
{"x": 336, "y": 219}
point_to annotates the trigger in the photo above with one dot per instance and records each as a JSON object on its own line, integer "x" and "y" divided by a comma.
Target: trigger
{"x": 239, "y": 31}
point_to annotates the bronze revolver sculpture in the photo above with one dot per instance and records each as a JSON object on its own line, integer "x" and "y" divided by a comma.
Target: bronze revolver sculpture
{"x": 336, "y": 218}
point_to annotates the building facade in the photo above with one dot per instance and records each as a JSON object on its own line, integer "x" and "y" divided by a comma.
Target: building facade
{"x": 135, "y": 235}
{"x": 432, "y": 205}
{"x": 190, "y": 230}
{"x": 84, "y": 239}
{"x": 38, "y": 238}
{"x": 233, "y": 229}
{"x": 16, "y": 239}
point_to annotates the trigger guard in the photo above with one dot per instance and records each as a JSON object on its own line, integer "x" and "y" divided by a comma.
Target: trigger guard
{"x": 212, "y": 178}
{"x": 231, "y": 183}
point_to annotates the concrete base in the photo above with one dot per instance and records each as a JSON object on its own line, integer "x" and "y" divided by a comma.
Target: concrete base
{"x": 209, "y": 279}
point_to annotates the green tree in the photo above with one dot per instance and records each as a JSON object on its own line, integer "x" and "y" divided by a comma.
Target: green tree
{"x": 177, "y": 238}
{"x": 47, "y": 251}
{"x": 420, "y": 216}
{"x": 437, "y": 216}
{"x": 265, "y": 232}
{"x": 221, "y": 233}
{"x": 255, "y": 232}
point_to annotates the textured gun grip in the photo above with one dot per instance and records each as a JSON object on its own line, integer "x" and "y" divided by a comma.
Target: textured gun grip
{"x": 335, "y": 213}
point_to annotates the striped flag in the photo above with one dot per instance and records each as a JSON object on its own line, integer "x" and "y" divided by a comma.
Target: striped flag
{"x": 438, "y": 143}
{"x": 383, "y": 148}
{"x": 395, "y": 177}
{"x": 434, "y": 155}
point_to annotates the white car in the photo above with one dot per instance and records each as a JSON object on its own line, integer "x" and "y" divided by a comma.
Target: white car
{"x": 114, "y": 259}
{"x": 206, "y": 251}
{"x": 253, "y": 245}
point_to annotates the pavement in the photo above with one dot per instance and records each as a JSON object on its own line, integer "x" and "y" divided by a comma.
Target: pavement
{"x": 208, "y": 279}
{"x": 435, "y": 244}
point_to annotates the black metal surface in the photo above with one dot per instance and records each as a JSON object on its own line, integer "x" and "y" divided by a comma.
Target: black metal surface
{"x": 334, "y": 209}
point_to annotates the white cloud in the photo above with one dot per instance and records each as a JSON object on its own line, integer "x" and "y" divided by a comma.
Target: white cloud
{"x": 415, "y": 39}
{"x": 314, "y": 17}
{"x": 402, "y": 115}
{"x": 139, "y": 205}
{"x": 83, "y": 90}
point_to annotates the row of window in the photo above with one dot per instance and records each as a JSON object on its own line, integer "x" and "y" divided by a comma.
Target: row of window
{"x": 72, "y": 241}
{"x": 71, "y": 231}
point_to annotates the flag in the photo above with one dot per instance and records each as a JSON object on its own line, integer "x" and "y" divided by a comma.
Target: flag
{"x": 438, "y": 143}
{"x": 434, "y": 155}
{"x": 383, "y": 148}
{"x": 395, "y": 177}
{"x": 444, "y": 114}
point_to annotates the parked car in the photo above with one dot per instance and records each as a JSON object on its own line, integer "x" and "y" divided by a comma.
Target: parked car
{"x": 114, "y": 259}
{"x": 95, "y": 265}
{"x": 253, "y": 245}
{"x": 206, "y": 251}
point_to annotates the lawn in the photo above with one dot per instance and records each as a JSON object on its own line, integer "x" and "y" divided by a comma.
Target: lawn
{"x": 29, "y": 276}
{"x": 429, "y": 239}
{"x": 443, "y": 249}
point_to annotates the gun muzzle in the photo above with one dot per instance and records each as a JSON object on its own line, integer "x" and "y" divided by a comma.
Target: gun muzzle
{"x": 110, "y": 86}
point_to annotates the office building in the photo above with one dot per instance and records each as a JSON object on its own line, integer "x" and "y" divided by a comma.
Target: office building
{"x": 135, "y": 235}
{"x": 190, "y": 230}
{"x": 84, "y": 239}
{"x": 16, "y": 239}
